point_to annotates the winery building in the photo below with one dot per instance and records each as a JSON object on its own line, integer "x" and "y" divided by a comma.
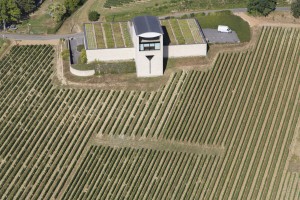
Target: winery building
{"x": 146, "y": 40}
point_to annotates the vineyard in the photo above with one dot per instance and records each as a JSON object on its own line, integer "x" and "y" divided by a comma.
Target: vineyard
{"x": 220, "y": 134}
{"x": 140, "y": 174}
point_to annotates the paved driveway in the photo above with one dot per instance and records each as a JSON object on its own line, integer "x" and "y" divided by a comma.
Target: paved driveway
{"x": 213, "y": 36}
{"x": 74, "y": 42}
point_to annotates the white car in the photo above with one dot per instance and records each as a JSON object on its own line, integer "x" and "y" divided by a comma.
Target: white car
{"x": 224, "y": 29}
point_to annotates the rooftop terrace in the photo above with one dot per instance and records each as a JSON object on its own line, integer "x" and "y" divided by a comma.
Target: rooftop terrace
{"x": 107, "y": 35}
{"x": 181, "y": 31}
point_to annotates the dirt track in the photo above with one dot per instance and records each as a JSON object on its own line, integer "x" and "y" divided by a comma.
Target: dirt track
{"x": 119, "y": 141}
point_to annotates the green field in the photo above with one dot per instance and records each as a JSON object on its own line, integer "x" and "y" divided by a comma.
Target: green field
{"x": 220, "y": 134}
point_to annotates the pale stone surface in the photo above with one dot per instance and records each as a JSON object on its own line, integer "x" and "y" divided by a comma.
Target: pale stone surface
{"x": 82, "y": 73}
{"x": 187, "y": 50}
{"x": 110, "y": 54}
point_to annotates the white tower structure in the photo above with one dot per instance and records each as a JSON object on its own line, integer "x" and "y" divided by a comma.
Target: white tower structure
{"x": 147, "y": 37}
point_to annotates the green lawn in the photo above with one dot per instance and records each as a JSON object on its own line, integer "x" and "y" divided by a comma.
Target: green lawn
{"x": 122, "y": 67}
{"x": 236, "y": 23}
{"x": 102, "y": 68}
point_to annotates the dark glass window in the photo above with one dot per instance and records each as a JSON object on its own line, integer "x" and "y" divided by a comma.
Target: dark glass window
{"x": 150, "y": 46}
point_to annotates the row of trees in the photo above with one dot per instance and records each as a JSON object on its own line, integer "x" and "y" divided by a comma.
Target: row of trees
{"x": 265, "y": 7}
{"x": 13, "y": 10}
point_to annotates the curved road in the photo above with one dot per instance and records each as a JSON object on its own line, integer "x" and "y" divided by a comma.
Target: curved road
{"x": 80, "y": 35}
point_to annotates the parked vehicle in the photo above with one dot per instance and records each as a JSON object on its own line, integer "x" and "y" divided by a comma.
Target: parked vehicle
{"x": 224, "y": 29}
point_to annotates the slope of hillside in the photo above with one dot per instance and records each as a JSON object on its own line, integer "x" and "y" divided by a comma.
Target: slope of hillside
{"x": 220, "y": 134}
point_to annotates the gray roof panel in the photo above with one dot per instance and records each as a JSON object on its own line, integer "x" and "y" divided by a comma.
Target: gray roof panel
{"x": 145, "y": 24}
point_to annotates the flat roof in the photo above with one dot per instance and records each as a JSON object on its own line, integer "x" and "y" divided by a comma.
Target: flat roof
{"x": 147, "y": 24}
{"x": 105, "y": 35}
{"x": 182, "y": 31}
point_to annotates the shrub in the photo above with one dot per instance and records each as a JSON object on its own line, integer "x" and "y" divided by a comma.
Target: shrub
{"x": 83, "y": 58}
{"x": 65, "y": 54}
{"x": 94, "y": 15}
{"x": 80, "y": 47}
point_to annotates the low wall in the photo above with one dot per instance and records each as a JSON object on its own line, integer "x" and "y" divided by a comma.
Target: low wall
{"x": 186, "y": 50}
{"x": 171, "y": 51}
{"x": 110, "y": 54}
{"x": 82, "y": 73}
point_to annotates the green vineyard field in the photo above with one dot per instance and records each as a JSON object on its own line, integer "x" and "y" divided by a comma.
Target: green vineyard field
{"x": 242, "y": 115}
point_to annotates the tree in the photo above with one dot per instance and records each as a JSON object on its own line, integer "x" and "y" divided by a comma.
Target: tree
{"x": 261, "y": 7}
{"x": 71, "y": 5}
{"x": 57, "y": 11}
{"x": 295, "y": 8}
{"x": 26, "y": 6}
{"x": 9, "y": 12}
{"x": 94, "y": 16}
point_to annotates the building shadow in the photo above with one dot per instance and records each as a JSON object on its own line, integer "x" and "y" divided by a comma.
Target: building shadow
{"x": 166, "y": 39}
{"x": 166, "y": 43}
{"x": 165, "y": 63}
{"x": 71, "y": 52}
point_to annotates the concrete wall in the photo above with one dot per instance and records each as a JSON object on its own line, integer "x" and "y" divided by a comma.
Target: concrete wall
{"x": 110, "y": 54}
{"x": 82, "y": 73}
{"x": 143, "y": 66}
{"x": 187, "y": 50}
